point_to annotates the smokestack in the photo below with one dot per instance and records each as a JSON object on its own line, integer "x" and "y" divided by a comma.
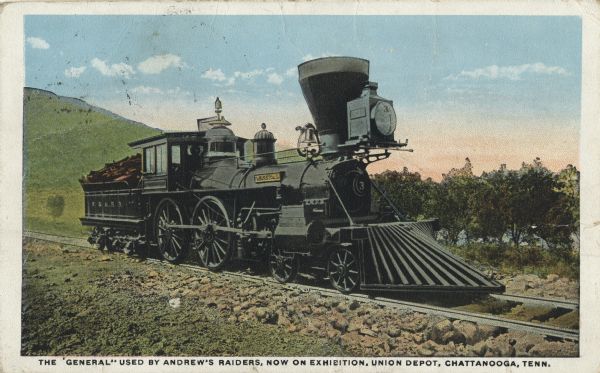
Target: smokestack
{"x": 328, "y": 84}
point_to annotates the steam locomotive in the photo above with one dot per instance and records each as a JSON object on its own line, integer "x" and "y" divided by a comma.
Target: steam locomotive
{"x": 204, "y": 192}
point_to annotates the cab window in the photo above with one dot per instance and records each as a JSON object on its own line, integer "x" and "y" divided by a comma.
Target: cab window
{"x": 149, "y": 160}
{"x": 175, "y": 155}
{"x": 161, "y": 159}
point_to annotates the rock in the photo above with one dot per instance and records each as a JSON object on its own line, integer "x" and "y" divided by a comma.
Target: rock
{"x": 152, "y": 274}
{"x": 307, "y": 310}
{"x": 486, "y": 331}
{"x": 282, "y": 319}
{"x": 468, "y": 330}
{"x": 105, "y": 258}
{"x": 205, "y": 280}
{"x": 393, "y": 331}
{"x": 318, "y": 311}
{"x": 350, "y": 339}
{"x": 332, "y": 333}
{"x": 425, "y": 352}
{"x": 333, "y": 303}
{"x": 370, "y": 342}
{"x": 418, "y": 338}
{"x": 479, "y": 348}
{"x": 367, "y": 331}
{"x": 260, "y": 313}
{"x": 554, "y": 349}
{"x": 439, "y": 330}
{"x": 552, "y": 277}
{"x": 342, "y": 307}
{"x": 339, "y": 322}
{"x": 353, "y": 305}
{"x": 292, "y": 328}
{"x": 428, "y": 348}
{"x": 415, "y": 323}
{"x": 499, "y": 347}
{"x": 175, "y": 302}
{"x": 453, "y": 336}
{"x": 355, "y": 324}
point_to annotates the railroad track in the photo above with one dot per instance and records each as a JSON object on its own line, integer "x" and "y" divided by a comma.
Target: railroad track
{"x": 509, "y": 324}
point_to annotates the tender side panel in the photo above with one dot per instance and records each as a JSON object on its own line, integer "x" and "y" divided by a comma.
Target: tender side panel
{"x": 406, "y": 256}
{"x": 114, "y": 206}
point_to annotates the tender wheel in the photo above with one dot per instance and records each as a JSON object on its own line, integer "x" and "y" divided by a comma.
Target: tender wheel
{"x": 214, "y": 246}
{"x": 172, "y": 242}
{"x": 283, "y": 267}
{"x": 343, "y": 270}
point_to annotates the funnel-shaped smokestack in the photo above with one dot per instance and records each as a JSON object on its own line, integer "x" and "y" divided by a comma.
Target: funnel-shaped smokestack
{"x": 328, "y": 84}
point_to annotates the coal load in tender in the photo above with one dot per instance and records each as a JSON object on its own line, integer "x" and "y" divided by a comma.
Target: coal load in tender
{"x": 128, "y": 170}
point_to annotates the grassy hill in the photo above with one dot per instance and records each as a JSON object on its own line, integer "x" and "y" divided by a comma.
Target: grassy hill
{"x": 65, "y": 138}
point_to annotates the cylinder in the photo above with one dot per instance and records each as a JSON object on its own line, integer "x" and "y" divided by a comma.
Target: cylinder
{"x": 328, "y": 84}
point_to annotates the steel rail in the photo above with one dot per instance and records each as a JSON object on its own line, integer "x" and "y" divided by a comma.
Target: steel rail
{"x": 549, "y": 302}
{"x": 509, "y": 324}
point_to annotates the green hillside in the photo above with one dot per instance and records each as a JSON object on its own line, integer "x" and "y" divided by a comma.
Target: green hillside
{"x": 65, "y": 138}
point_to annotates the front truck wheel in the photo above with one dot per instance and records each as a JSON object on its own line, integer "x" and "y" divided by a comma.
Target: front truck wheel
{"x": 283, "y": 267}
{"x": 343, "y": 270}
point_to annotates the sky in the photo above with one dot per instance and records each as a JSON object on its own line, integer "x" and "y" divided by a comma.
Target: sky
{"x": 496, "y": 89}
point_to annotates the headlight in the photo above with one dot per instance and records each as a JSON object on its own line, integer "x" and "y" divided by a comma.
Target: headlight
{"x": 385, "y": 118}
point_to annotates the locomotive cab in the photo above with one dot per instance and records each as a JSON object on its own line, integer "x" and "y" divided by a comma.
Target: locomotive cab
{"x": 169, "y": 160}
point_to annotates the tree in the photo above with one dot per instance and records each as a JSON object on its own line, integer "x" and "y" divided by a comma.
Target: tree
{"x": 406, "y": 190}
{"x": 489, "y": 206}
{"x": 562, "y": 219}
{"x": 55, "y": 206}
{"x": 451, "y": 201}
{"x": 530, "y": 196}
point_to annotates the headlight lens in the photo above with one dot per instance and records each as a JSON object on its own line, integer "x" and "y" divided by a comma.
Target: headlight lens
{"x": 385, "y": 118}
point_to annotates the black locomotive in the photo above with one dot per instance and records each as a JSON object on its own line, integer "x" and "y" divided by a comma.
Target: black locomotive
{"x": 205, "y": 192}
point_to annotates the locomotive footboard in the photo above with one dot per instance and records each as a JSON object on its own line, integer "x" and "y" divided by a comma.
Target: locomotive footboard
{"x": 404, "y": 256}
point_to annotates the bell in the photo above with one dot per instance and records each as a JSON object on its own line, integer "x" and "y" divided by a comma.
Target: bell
{"x": 308, "y": 140}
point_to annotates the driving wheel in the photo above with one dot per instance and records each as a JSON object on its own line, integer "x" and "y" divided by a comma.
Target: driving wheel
{"x": 214, "y": 246}
{"x": 172, "y": 241}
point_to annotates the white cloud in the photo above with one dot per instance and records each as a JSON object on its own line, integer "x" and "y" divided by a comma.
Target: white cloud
{"x": 156, "y": 64}
{"x": 120, "y": 69}
{"x": 275, "y": 78}
{"x": 178, "y": 91}
{"x": 292, "y": 71}
{"x": 248, "y": 74}
{"x": 75, "y": 72}
{"x": 216, "y": 75}
{"x": 494, "y": 72}
{"x": 37, "y": 43}
{"x": 146, "y": 90}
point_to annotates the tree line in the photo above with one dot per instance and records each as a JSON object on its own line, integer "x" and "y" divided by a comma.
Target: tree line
{"x": 501, "y": 206}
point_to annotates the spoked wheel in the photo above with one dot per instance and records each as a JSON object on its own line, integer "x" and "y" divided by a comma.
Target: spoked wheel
{"x": 172, "y": 241}
{"x": 343, "y": 270}
{"x": 214, "y": 246}
{"x": 283, "y": 267}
